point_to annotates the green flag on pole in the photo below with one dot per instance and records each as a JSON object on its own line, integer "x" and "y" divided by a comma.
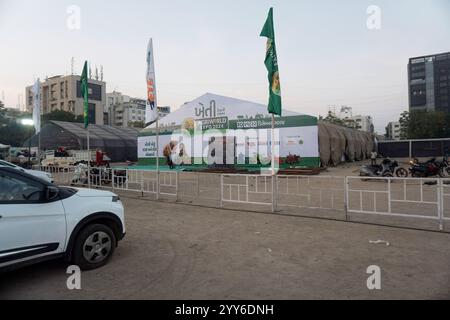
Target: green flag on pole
{"x": 84, "y": 92}
{"x": 271, "y": 63}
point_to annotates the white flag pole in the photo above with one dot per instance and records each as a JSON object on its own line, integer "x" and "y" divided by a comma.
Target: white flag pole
{"x": 37, "y": 116}
{"x": 39, "y": 149}
{"x": 152, "y": 104}
{"x": 157, "y": 157}
{"x": 273, "y": 144}
{"x": 89, "y": 158}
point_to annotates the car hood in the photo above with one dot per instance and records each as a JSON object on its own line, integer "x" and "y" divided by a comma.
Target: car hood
{"x": 83, "y": 192}
{"x": 38, "y": 173}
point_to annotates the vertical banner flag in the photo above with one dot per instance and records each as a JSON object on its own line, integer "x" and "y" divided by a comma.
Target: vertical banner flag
{"x": 151, "y": 112}
{"x": 37, "y": 106}
{"x": 84, "y": 92}
{"x": 271, "y": 63}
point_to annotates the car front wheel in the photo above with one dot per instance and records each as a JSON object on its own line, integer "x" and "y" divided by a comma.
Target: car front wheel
{"x": 94, "y": 246}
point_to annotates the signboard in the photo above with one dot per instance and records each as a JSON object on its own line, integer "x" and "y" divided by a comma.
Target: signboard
{"x": 247, "y": 125}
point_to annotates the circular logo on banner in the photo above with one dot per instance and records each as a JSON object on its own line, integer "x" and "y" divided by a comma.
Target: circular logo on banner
{"x": 276, "y": 83}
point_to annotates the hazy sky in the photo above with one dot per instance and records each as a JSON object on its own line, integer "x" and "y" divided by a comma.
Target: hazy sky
{"x": 326, "y": 53}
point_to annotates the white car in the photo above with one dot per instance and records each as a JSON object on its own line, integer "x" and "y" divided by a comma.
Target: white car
{"x": 40, "y": 174}
{"x": 40, "y": 221}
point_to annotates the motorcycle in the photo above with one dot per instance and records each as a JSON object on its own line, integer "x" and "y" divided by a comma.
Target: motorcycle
{"x": 429, "y": 168}
{"x": 387, "y": 168}
{"x": 98, "y": 175}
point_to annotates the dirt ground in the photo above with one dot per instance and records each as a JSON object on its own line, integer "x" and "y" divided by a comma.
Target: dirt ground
{"x": 180, "y": 251}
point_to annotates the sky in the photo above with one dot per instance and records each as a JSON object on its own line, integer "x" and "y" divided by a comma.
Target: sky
{"x": 327, "y": 55}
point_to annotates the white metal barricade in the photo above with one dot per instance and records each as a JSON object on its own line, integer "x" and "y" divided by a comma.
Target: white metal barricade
{"x": 315, "y": 192}
{"x": 250, "y": 189}
{"x": 414, "y": 198}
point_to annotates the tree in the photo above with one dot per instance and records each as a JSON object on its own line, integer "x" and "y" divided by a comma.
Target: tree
{"x": 404, "y": 125}
{"x": 136, "y": 124}
{"x": 349, "y": 123}
{"x": 2, "y": 110}
{"x": 61, "y": 115}
{"x": 424, "y": 125}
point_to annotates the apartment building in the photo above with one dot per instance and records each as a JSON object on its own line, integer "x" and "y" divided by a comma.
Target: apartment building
{"x": 64, "y": 93}
{"x": 123, "y": 110}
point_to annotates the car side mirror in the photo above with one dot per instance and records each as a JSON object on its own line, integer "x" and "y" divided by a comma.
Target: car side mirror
{"x": 51, "y": 193}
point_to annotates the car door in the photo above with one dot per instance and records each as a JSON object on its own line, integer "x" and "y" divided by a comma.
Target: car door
{"x": 30, "y": 225}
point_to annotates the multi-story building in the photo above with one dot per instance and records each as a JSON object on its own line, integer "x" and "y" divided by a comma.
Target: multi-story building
{"x": 393, "y": 130}
{"x": 64, "y": 93}
{"x": 123, "y": 110}
{"x": 163, "y": 111}
{"x": 364, "y": 123}
{"x": 429, "y": 82}
{"x": 115, "y": 109}
{"x": 135, "y": 110}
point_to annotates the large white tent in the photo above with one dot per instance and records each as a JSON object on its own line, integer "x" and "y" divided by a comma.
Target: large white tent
{"x": 298, "y": 134}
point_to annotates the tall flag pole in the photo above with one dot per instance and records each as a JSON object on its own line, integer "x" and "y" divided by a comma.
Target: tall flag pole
{"x": 271, "y": 62}
{"x": 85, "y": 92}
{"x": 151, "y": 109}
{"x": 37, "y": 115}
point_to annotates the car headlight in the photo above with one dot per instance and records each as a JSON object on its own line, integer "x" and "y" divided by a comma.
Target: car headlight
{"x": 115, "y": 199}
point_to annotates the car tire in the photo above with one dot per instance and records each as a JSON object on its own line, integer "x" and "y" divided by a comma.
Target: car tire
{"x": 94, "y": 246}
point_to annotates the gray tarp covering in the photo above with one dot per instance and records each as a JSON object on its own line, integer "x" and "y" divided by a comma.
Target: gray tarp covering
{"x": 324, "y": 144}
{"x": 338, "y": 143}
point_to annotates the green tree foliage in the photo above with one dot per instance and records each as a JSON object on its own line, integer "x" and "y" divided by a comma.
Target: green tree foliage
{"x": 136, "y": 124}
{"x": 61, "y": 115}
{"x": 331, "y": 118}
{"x": 11, "y": 131}
{"x": 424, "y": 125}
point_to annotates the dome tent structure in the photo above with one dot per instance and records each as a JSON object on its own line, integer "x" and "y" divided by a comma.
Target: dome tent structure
{"x": 119, "y": 143}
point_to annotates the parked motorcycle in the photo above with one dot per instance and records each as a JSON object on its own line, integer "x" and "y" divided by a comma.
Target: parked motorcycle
{"x": 98, "y": 175}
{"x": 429, "y": 168}
{"x": 387, "y": 168}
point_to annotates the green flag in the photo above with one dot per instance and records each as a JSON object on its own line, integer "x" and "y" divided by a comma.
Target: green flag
{"x": 84, "y": 92}
{"x": 271, "y": 63}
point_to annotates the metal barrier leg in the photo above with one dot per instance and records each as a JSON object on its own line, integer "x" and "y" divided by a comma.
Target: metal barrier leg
{"x": 273, "y": 192}
{"x": 221, "y": 190}
{"x": 157, "y": 184}
{"x": 346, "y": 185}
{"x": 177, "y": 185}
{"x": 440, "y": 191}
{"x": 142, "y": 184}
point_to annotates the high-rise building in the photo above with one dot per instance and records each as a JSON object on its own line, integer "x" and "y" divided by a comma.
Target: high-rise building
{"x": 429, "y": 82}
{"x": 64, "y": 93}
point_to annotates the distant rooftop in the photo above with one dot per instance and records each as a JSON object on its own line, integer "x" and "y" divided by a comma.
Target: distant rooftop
{"x": 432, "y": 57}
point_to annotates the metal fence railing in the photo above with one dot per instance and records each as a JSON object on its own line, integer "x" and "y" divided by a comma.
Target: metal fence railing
{"x": 316, "y": 192}
{"x": 408, "y": 198}
{"x": 423, "y": 202}
{"x": 248, "y": 189}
